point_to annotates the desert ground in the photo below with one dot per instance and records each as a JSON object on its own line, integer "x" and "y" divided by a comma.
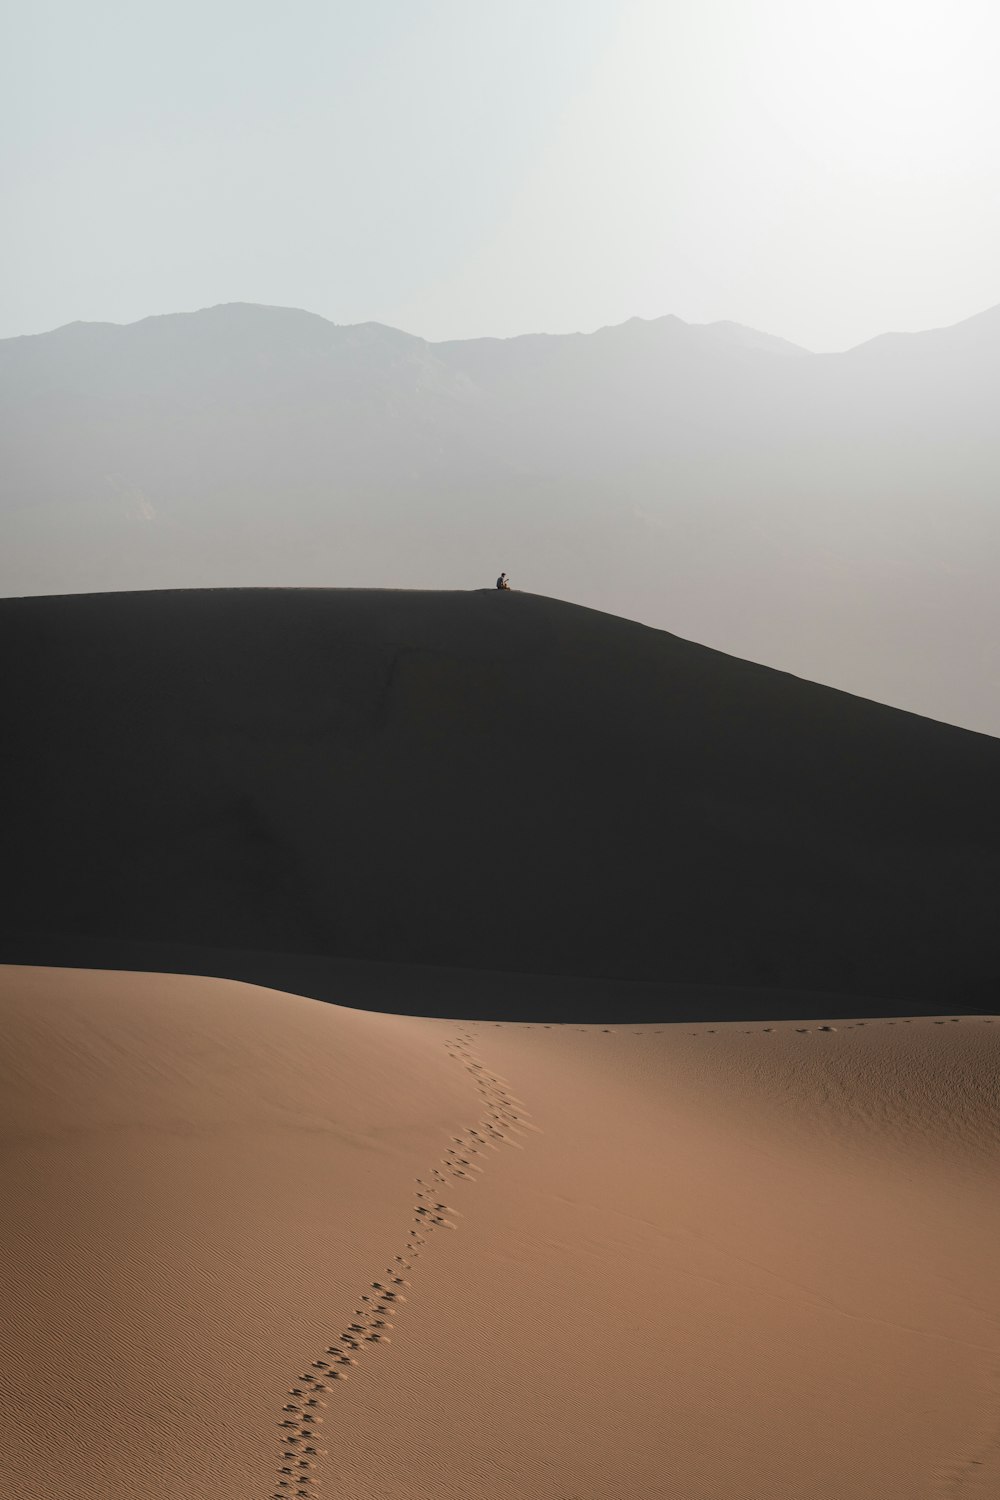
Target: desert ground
{"x": 596, "y": 1097}
{"x": 260, "y": 1246}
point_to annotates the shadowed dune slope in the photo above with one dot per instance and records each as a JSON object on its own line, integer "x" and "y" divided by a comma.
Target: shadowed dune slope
{"x": 710, "y": 1262}
{"x": 499, "y": 782}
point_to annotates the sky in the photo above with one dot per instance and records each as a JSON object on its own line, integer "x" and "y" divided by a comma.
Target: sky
{"x": 825, "y": 170}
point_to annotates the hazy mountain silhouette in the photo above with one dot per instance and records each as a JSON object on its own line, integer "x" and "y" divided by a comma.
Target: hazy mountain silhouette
{"x": 834, "y": 515}
{"x": 496, "y": 781}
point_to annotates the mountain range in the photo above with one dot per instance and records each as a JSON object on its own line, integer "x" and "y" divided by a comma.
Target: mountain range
{"x": 832, "y": 515}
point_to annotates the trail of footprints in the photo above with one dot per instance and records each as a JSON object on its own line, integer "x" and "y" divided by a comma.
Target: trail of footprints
{"x": 503, "y": 1119}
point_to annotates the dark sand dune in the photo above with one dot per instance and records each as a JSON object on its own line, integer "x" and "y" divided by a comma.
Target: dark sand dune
{"x": 493, "y": 782}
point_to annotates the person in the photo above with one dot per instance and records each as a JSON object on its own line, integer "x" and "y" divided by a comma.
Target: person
{"x": 503, "y": 582}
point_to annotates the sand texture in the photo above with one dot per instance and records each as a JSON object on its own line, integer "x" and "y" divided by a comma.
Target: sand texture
{"x": 689, "y": 1262}
{"x": 498, "y": 782}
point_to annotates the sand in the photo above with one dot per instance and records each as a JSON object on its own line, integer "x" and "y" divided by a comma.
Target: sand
{"x": 692, "y": 1262}
{"x": 486, "y": 781}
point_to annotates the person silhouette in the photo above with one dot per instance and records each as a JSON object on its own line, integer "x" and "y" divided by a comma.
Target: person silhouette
{"x": 503, "y": 582}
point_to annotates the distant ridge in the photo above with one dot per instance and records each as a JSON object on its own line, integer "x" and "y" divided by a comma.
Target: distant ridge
{"x": 482, "y": 781}
{"x": 833, "y": 515}
{"x": 976, "y": 326}
{"x": 234, "y": 312}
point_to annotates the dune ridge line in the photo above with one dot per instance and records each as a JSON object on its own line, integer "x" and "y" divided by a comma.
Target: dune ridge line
{"x": 329, "y": 768}
{"x": 503, "y": 1118}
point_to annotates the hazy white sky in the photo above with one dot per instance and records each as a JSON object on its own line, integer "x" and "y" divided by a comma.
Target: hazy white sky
{"x": 821, "y": 169}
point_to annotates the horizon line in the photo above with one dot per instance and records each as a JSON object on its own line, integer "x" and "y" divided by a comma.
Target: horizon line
{"x": 499, "y": 338}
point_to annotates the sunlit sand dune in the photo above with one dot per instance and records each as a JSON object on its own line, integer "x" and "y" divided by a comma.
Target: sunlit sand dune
{"x": 690, "y": 1262}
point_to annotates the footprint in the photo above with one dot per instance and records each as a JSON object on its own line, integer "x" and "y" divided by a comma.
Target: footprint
{"x": 504, "y": 1115}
